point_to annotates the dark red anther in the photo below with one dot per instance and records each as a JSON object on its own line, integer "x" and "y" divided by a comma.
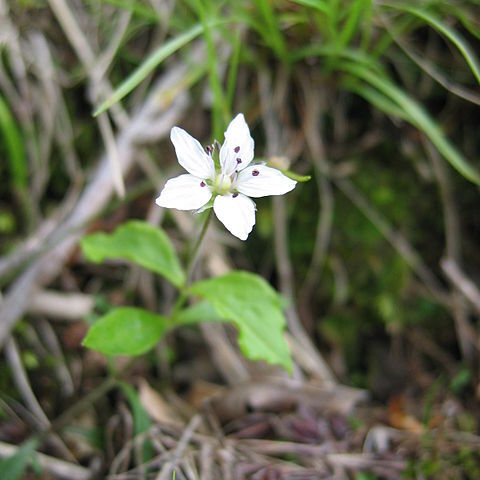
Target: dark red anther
{"x": 235, "y": 195}
{"x": 202, "y": 184}
{"x": 236, "y": 149}
{"x": 255, "y": 173}
{"x": 208, "y": 149}
{"x": 239, "y": 160}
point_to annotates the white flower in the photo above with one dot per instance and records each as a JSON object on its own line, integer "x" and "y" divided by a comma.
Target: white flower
{"x": 231, "y": 186}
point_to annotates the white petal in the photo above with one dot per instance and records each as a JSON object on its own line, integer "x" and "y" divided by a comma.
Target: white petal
{"x": 237, "y": 150}
{"x": 191, "y": 155}
{"x": 184, "y": 192}
{"x": 268, "y": 181}
{"x": 236, "y": 213}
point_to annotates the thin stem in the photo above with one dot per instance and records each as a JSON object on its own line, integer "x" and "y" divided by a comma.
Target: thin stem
{"x": 182, "y": 298}
{"x": 82, "y": 404}
{"x": 194, "y": 253}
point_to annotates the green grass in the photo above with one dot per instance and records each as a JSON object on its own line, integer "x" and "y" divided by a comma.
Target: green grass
{"x": 344, "y": 45}
{"x": 14, "y": 150}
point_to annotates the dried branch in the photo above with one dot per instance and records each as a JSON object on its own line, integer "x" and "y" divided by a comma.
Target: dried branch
{"x": 166, "y": 470}
{"x": 274, "y": 146}
{"x": 314, "y": 104}
{"x": 93, "y": 199}
{"x": 465, "y": 333}
{"x": 23, "y": 385}
{"x": 462, "y": 282}
{"x": 61, "y": 306}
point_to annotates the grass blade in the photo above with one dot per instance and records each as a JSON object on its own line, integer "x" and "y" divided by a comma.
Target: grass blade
{"x": 233, "y": 69}
{"x": 452, "y": 35}
{"x": 152, "y": 62}
{"x": 271, "y": 31}
{"x": 13, "y": 468}
{"x": 417, "y": 116}
{"x": 374, "y": 97}
{"x": 351, "y": 23}
{"x": 14, "y": 147}
{"x": 135, "y": 7}
{"x": 316, "y": 4}
{"x": 220, "y": 109}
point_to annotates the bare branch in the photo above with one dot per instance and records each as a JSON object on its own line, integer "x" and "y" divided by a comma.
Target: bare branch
{"x": 94, "y": 198}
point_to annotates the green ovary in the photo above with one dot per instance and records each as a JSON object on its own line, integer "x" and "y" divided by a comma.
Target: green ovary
{"x": 222, "y": 186}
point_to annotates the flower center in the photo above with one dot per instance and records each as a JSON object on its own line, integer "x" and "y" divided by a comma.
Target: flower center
{"x": 223, "y": 183}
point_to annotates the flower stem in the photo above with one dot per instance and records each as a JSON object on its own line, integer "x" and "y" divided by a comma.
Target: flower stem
{"x": 194, "y": 253}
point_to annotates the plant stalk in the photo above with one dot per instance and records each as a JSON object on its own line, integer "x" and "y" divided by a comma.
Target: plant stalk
{"x": 194, "y": 253}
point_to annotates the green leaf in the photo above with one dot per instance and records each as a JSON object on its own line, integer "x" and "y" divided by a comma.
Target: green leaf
{"x": 152, "y": 62}
{"x": 12, "y": 468}
{"x": 14, "y": 146}
{"x": 126, "y": 331}
{"x": 200, "y": 312}
{"x": 461, "y": 381}
{"x": 254, "y": 307}
{"x": 140, "y": 243}
{"x": 141, "y": 419}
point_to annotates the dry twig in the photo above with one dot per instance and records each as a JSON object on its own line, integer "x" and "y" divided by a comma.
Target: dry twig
{"x": 94, "y": 198}
{"x": 274, "y": 146}
{"x": 465, "y": 333}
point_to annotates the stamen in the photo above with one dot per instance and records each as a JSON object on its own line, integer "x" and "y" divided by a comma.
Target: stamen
{"x": 255, "y": 173}
{"x": 223, "y": 183}
{"x": 209, "y": 149}
{"x": 236, "y": 149}
{"x": 239, "y": 161}
{"x": 235, "y": 195}
{"x": 202, "y": 184}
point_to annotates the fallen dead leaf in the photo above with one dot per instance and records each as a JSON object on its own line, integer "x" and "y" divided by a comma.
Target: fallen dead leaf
{"x": 398, "y": 418}
{"x": 155, "y": 405}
